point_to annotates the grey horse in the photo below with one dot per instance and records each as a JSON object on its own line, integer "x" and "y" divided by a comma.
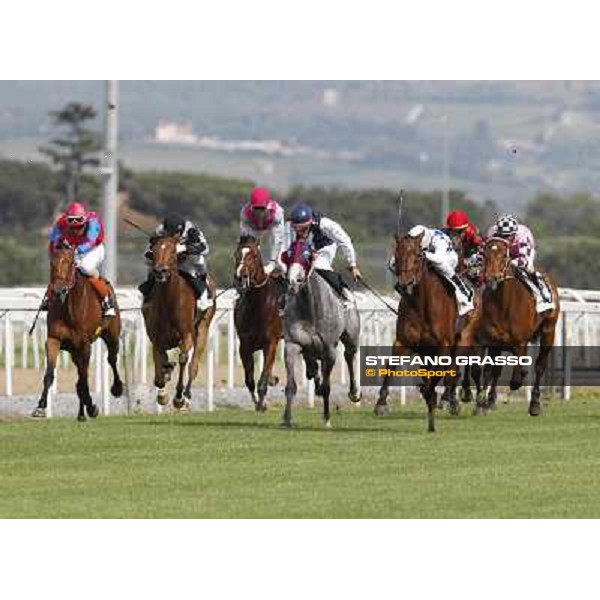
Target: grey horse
{"x": 315, "y": 320}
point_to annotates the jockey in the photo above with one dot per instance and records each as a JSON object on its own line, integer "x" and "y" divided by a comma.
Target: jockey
{"x": 458, "y": 225}
{"x": 325, "y": 235}
{"x": 84, "y": 230}
{"x": 262, "y": 217}
{"x": 442, "y": 256}
{"x": 191, "y": 252}
{"x": 521, "y": 250}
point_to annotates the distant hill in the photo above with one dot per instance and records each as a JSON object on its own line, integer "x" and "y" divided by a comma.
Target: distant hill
{"x": 506, "y": 140}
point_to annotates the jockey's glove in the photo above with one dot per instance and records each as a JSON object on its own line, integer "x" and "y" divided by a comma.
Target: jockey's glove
{"x": 355, "y": 272}
{"x": 269, "y": 268}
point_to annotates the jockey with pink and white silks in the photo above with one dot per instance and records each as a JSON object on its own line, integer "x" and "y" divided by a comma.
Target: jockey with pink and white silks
{"x": 263, "y": 217}
{"x": 521, "y": 242}
{"x": 521, "y": 250}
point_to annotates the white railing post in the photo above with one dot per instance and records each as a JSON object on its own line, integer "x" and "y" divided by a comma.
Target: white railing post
{"x": 8, "y": 355}
{"x": 230, "y": 350}
{"x": 210, "y": 371}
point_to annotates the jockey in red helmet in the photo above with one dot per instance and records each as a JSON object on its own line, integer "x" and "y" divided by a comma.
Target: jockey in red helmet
{"x": 83, "y": 229}
{"x": 459, "y": 224}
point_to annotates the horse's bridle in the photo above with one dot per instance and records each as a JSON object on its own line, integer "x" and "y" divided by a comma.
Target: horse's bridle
{"x": 67, "y": 282}
{"x": 416, "y": 277}
{"x": 170, "y": 268}
{"x": 504, "y": 273}
{"x": 245, "y": 276}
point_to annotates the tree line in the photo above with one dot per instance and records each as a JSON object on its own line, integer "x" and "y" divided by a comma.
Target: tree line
{"x": 30, "y": 194}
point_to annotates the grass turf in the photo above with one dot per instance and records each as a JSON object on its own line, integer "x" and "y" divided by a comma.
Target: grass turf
{"x": 234, "y": 463}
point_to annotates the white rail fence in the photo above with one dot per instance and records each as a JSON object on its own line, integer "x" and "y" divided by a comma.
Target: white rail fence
{"x": 21, "y": 354}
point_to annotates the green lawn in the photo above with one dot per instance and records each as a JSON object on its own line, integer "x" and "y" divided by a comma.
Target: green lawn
{"x": 235, "y": 463}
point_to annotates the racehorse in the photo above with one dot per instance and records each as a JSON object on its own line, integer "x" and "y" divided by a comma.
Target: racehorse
{"x": 74, "y": 323}
{"x": 173, "y": 321}
{"x": 509, "y": 321}
{"x": 315, "y": 320}
{"x": 256, "y": 317}
{"x": 427, "y": 321}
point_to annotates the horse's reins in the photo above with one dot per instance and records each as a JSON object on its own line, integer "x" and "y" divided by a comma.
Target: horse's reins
{"x": 378, "y": 296}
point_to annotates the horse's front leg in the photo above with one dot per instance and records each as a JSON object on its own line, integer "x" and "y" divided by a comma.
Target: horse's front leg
{"x": 269, "y": 353}
{"x": 518, "y": 374}
{"x": 350, "y": 349}
{"x": 110, "y": 337}
{"x": 160, "y": 377}
{"x": 327, "y": 366}
{"x": 201, "y": 339}
{"x": 541, "y": 363}
{"x": 81, "y": 357}
{"x": 247, "y": 357}
{"x": 381, "y": 408}
{"x": 292, "y": 355}
{"x": 52, "y": 351}
{"x": 185, "y": 349}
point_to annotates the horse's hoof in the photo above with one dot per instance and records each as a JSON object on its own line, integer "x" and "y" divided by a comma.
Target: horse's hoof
{"x": 454, "y": 409}
{"x": 81, "y": 418}
{"x": 286, "y": 424}
{"x": 261, "y": 407}
{"x": 93, "y": 411}
{"x": 465, "y": 395}
{"x": 535, "y": 408}
{"x": 491, "y": 405}
{"x": 162, "y": 399}
{"x": 39, "y": 413}
{"x": 327, "y": 424}
{"x": 273, "y": 380}
{"x": 382, "y": 410}
{"x": 354, "y": 397}
{"x": 179, "y": 403}
{"x": 117, "y": 389}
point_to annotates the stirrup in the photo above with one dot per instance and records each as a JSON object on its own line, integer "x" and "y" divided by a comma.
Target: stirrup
{"x": 108, "y": 308}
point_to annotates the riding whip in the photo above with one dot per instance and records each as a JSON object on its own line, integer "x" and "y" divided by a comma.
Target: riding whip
{"x": 37, "y": 314}
{"x": 400, "y": 203}
{"x": 136, "y": 226}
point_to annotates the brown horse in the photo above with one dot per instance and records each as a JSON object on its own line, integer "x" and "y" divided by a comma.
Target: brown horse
{"x": 509, "y": 321}
{"x": 427, "y": 320}
{"x": 256, "y": 315}
{"x": 74, "y": 323}
{"x": 173, "y": 321}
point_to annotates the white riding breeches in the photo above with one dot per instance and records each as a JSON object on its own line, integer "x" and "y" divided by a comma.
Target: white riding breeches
{"x": 90, "y": 263}
{"x": 445, "y": 264}
{"x": 324, "y": 257}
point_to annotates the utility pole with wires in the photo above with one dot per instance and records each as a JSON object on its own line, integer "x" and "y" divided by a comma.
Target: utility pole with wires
{"x": 110, "y": 174}
{"x": 445, "y": 208}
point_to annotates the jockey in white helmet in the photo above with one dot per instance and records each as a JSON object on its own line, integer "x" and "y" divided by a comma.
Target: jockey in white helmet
{"x": 441, "y": 255}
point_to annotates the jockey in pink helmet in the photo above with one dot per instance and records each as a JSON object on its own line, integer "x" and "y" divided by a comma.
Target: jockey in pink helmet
{"x": 83, "y": 230}
{"x": 263, "y": 217}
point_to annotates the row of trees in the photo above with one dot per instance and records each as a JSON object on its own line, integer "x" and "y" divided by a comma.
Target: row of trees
{"x": 565, "y": 228}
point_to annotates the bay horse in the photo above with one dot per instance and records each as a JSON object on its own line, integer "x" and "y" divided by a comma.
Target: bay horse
{"x": 509, "y": 321}
{"x": 315, "y": 321}
{"x": 256, "y": 317}
{"x": 427, "y": 321}
{"x": 173, "y": 321}
{"x": 74, "y": 322}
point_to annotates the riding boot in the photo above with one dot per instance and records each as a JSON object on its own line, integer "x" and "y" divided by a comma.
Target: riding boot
{"x": 464, "y": 295}
{"x": 542, "y": 285}
{"x": 104, "y": 291}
